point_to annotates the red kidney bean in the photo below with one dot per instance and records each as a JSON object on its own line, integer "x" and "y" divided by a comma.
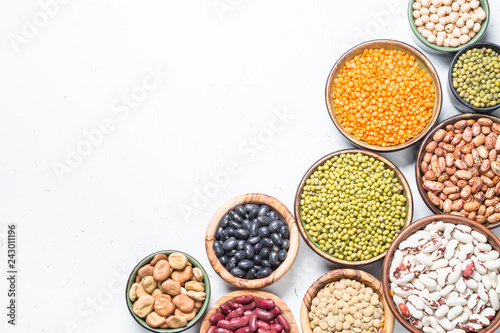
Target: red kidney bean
{"x": 272, "y": 322}
{"x": 211, "y": 329}
{"x": 252, "y": 322}
{"x": 214, "y": 319}
{"x": 263, "y": 324}
{"x": 246, "y": 299}
{"x": 263, "y": 314}
{"x": 225, "y": 309}
{"x": 239, "y": 322}
{"x": 232, "y": 305}
{"x": 235, "y": 314}
{"x": 276, "y": 328}
{"x": 261, "y": 330}
{"x": 225, "y": 324}
{"x": 266, "y": 304}
{"x": 283, "y": 322}
{"x": 243, "y": 330}
{"x": 276, "y": 310}
{"x": 250, "y": 306}
{"x": 222, "y": 330}
{"x": 247, "y": 313}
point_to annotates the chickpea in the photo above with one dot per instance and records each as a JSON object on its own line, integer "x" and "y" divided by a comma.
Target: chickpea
{"x": 432, "y": 9}
{"x": 460, "y": 23}
{"x": 434, "y": 18}
{"x": 426, "y": 3}
{"x": 432, "y": 39}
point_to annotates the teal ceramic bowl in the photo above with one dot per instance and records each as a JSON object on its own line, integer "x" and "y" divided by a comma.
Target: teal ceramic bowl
{"x": 441, "y": 50}
{"x": 190, "y": 323}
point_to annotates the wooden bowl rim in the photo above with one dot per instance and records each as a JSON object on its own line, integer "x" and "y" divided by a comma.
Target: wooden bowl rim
{"x": 417, "y": 225}
{"x": 338, "y": 274}
{"x": 298, "y": 219}
{"x": 424, "y": 63}
{"x": 142, "y": 322}
{"x": 285, "y": 310}
{"x": 282, "y": 269}
{"x": 421, "y": 152}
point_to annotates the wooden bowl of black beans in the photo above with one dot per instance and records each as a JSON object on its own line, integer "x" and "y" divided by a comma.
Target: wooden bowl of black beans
{"x": 252, "y": 241}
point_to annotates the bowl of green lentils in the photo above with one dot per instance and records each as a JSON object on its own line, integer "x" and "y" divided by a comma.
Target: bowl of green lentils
{"x": 351, "y": 205}
{"x": 474, "y": 78}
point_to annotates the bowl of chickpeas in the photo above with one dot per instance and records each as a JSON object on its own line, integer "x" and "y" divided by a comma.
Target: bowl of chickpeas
{"x": 346, "y": 300}
{"x": 444, "y": 27}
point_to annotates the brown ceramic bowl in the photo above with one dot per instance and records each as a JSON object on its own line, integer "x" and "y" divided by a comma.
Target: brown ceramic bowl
{"x": 414, "y": 227}
{"x": 424, "y": 64}
{"x": 314, "y": 246}
{"x": 421, "y": 152}
{"x": 338, "y": 274}
{"x": 285, "y": 310}
{"x": 284, "y": 214}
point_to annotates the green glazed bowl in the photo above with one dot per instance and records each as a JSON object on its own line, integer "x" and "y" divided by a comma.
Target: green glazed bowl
{"x": 442, "y": 50}
{"x": 190, "y": 323}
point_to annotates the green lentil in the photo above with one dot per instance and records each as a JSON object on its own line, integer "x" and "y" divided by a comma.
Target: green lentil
{"x": 353, "y": 207}
{"x": 476, "y": 77}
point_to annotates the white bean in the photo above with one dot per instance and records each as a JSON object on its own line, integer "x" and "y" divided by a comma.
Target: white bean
{"x": 416, "y": 302}
{"x": 442, "y": 311}
{"x": 454, "y": 275}
{"x": 472, "y": 301}
{"x": 479, "y": 319}
{"x": 414, "y": 312}
{"x": 454, "y": 301}
{"x": 492, "y": 265}
{"x": 454, "y": 312}
{"x": 461, "y": 286}
{"x": 445, "y": 323}
{"x": 495, "y": 302}
{"x": 450, "y": 249}
{"x": 482, "y": 292}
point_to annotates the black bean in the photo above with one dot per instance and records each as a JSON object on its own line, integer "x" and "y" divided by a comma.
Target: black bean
{"x": 273, "y": 215}
{"x": 250, "y": 274}
{"x": 241, "y": 233}
{"x": 284, "y": 232}
{"x": 263, "y": 210}
{"x": 254, "y": 229}
{"x": 257, "y": 259}
{"x": 230, "y": 244}
{"x": 235, "y": 216}
{"x": 231, "y": 263}
{"x": 229, "y": 231}
{"x": 263, "y": 232}
{"x": 265, "y": 263}
{"x": 274, "y": 226}
{"x": 257, "y": 267}
{"x": 273, "y": 258}
{"x": 240, "y": 210}
{"x": 264, "y": 252}
{"x": 276, "y": 238}
{"x": 257, "y": 247}
{"x": 249, "y": 207}
{"x": 249, "y": 251}
{"x": 245, "y": 264}
{"x": 223, "y": 235}
{"x": 264, "y": 220}
{"x": 230, "y": 253}
{"x": 241, "y": 244}
{"x": 253, "y": 240}
{"x": 286, "y": 244}
{"x": 238, "y": 272}
{"x": 234, "y": 224}
{"x": 224, "y": 220}
{"x": 283, "y": 223}
{"x": 275, "y": 248}
{"x": 240, "y": 255}
{"x": 263, "y": 272}
{"x": 282, "y": 255}
{"x": 218, "y": 248}
{"x": 252, "y": 214}
{"x": 246, "y": 224}
{"x": 267, "y": 242}
{"x": 223, "y": 260}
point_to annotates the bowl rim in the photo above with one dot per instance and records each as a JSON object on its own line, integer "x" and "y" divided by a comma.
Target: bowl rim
{"x": 284, "y": 214}
{"x": 258, "y": 294}
{"x": 315, "y": 165}
{"x": 417, "y": 225}
{"x": 424, "y": 64}
{"x": 484, "y": 26}
{"x": 480, "y": 110}
{"x": 421, "y": 152}
{"x": 338, "y": 274}
{"x": 192, "y": 322}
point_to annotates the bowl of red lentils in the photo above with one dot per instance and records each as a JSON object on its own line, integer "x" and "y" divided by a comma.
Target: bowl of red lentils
{"x": 384, "y": 95}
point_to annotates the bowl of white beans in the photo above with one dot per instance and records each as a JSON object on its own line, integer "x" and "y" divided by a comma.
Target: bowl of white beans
{"x": 441, "y": 274}
{"x": 446, "y": 26}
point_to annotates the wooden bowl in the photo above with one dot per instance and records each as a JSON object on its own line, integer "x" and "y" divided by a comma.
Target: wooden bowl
{"x": 421, "y": 153}
{"x": 141, "y": 321}
{"x": 424, "y": 64}
{"x": 284, "y": 214}
{"x": 414, "y": 227}
{"x": 338, "y": 274}
{"x": 285, "y": 310}
{"x": 305, "y": 235}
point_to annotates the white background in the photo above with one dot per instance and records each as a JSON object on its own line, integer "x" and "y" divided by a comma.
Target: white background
{"x": 228, "y": 72}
